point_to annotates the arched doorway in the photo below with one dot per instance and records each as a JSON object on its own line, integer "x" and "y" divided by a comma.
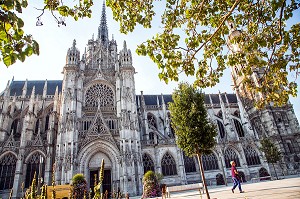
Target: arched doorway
{"x": 94, "y": 167}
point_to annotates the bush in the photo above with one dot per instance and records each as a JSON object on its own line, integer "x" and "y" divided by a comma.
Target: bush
{"x": 150, "y": 185}
{"x": 79, "y": 186}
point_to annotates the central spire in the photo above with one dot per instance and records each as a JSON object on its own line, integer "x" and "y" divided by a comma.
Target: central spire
{"x": 103, "y": 30}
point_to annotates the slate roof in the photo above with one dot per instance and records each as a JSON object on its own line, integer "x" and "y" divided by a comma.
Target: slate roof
{"x": 17, "y": 86}
{"x": 152, "y": 99}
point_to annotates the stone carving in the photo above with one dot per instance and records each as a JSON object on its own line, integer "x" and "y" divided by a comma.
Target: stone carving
{"x": 99, "y": 93}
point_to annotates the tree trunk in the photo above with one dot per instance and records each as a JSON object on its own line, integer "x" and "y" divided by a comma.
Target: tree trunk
{"x": 275, "y": 171}
{"x": 202, "y": 174}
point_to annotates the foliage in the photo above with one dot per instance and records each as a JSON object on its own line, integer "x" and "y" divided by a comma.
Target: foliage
{"x": 194, "y": 40}
{"x": 14, "y": 43}
{"x": 272, "y": 153}
{"x": 79, "y": 186}
{"x": 195, "y": 133}
{"x": 31, "y": 193}
{"x": 150, "y": 185}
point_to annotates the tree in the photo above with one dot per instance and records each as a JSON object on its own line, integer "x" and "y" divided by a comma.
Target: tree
{"x": 14, "y": 43}
{"x": 193, "y": 40}
{"x": 272, "y": 153}
{"x": 195, "y": 134}
{"x": 79, "y": 186}
{"x": 150, "y": 185}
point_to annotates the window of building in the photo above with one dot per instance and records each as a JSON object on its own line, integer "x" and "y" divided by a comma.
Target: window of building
{"x": 151, "y": 136}
{"x": 251, "y": 155}
{"x": 37, "y": 124}
{"x": 47, "y": 122}
{"x": 221, "y": 129}
{"x": 148, "y": 163}
{"x": 14, "y": 130}
{"x": 210, "y": 162}
{"x": 168, "y": 165}
{"x": 230, "y": 155}
{"x": 239, "y": 128}
{"x": 7, "y": 171}
{"x": 151, "y": 120}
{"x": 33, "y": 167}
{"x": 291, "y": 148}
{"x": 189, "y": 164}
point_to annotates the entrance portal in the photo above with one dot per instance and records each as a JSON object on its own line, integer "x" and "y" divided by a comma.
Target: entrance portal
{"x": 106, "y": 184}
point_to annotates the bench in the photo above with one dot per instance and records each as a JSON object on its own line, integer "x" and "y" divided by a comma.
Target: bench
{"x": 186, "y": 187}
{"x": 261, "y": 178}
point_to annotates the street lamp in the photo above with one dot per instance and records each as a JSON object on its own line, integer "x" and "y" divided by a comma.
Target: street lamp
{"x": 40, "y": 179}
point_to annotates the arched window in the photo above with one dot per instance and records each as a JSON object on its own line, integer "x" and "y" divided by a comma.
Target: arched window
{"x": 221, "y": 129}
{"x": 168, "y": 165}
{"x": 148, "y": 163}
{"x": 34, "y": 164}
{"x": 14, "y": 130}
{"x": 189, "y": 164}
{"x": 7, "y": 171}
{"x": 236, "y": 114}
{"x": 47, "y": 122}
{"x": 252, "y": 157}
{"x": 37, "y": 124}
{"x": 151, "y": 136}
{"x": 220, "y": 114}
{"x": 263, "y": 172}
{"x": 210, "y": 162}
{"x": 239, "y": 128}
{"x": 151, "y": 121}
{"x": 230, "y": 155}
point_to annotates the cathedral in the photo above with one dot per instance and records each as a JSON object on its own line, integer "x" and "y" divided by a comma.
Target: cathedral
{"x": 58, "y": 128}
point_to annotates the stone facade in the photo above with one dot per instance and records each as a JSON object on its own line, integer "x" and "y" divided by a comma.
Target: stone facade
{"x": 68, "y": 126}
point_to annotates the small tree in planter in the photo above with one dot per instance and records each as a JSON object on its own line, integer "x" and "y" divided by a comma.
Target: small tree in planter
{"x": 150, "y": 185}
{"x": 79, "y": 186}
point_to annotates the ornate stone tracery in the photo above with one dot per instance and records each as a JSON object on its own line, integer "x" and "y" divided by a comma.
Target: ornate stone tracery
{"x": 99, "y": 93}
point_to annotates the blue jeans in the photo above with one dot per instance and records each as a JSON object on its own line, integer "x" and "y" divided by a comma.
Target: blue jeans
{"x": 236, "y": 182}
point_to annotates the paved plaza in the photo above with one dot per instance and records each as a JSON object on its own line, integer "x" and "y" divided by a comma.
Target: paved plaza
{"x": 277, "y": 189}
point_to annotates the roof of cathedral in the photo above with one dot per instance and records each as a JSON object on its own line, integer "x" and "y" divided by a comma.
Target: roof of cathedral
{"x": 152, "y": 99}
{"x": 16, "y": 87}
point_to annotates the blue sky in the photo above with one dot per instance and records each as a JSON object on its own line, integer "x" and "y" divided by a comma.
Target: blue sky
{"x": 54, "y": 42}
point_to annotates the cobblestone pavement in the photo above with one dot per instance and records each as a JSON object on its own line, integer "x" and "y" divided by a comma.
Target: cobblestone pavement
{"x": 277, "y": 189}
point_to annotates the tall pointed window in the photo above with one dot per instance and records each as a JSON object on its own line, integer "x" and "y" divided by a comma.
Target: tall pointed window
{"x": 239, "y": 128}
{"x": 210, "y": 162}
{"x": 47, "y": 122}
{"x": 35, "y": 165}
{"x": 189, "y": 164}
{"x": 251, "y": 155}
{"x": 151, "y": 121}
{"x": 14, "y": 130}
{"x": 7, "y": 171}
{"x": 221, "y": 129}
{"x": 168, "y": 165}
{"x": 148, "y": 163}
{"x": 230, "y": 155}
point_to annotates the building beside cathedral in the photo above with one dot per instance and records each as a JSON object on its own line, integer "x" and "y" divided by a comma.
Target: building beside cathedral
{"x": 94, "y": 113}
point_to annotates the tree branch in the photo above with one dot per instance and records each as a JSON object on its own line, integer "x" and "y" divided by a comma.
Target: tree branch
{"x": 218, "y": 28}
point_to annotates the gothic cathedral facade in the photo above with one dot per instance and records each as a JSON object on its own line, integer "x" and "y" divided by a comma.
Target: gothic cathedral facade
{"x": 57, "y": 128}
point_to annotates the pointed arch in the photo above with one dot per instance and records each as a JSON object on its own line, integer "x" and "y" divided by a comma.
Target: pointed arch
{"x": 210, "y": 162}
{"x": 168, "y": 165}
{"x": 15, "y": 130}
{"x": 189, "y": 164}
{"x": 35, "y": 164}
{"x": 239, "y": 128}
{"x": 151, "y": 120}
{"x": 251, "y": 155}
{"x": 7, "y": 171}
{"x": 148, "y": 163}
{"x": 230, "y": 155}
{"x": 221, "y": 129}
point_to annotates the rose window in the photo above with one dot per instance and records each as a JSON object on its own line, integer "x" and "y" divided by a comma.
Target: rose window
{"x": 99, "y": 93}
